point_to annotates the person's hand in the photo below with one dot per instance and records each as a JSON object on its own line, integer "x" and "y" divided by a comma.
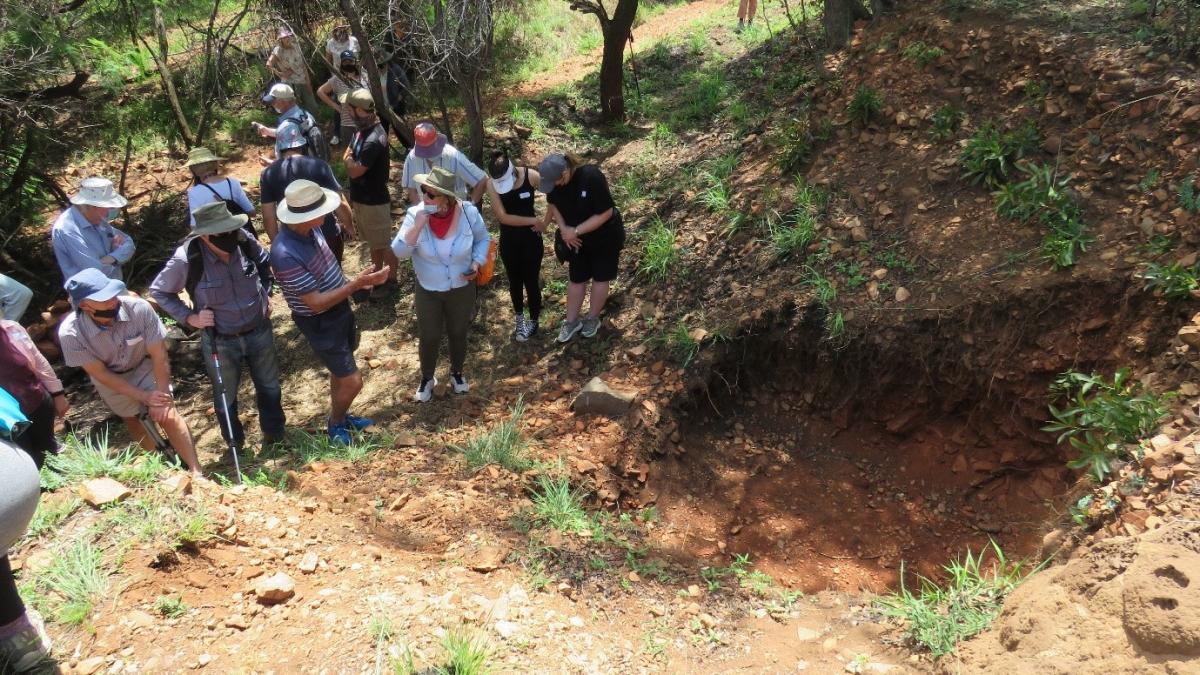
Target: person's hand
{"x": 261, "y": 129}
{"x": 160, "y": 413}
{"x": 108, "y": 260}
{"x": 61, "y": 406}
{"x": 472, "y": 272}
{"x": 118, "y": 239}
{"x": 346, "y": 154}
{"x": 371, "y": 279}
{"x": 571, "y": 238}
{"x": 540, "y": 225}
{"x": 264, "y": 160}
{"x": 349, "y": 232}
{"x": 201, "y": 319}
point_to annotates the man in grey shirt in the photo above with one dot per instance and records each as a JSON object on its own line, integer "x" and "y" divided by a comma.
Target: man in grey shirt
{"x": 118, "y": 341}
{"x": 225, "y": 272}
{"x": 82, "y": 237}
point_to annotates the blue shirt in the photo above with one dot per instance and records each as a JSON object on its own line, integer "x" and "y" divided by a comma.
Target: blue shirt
{"x": 436, "y": 270}
{"x": 304, "y": 264}
{"x": 79, "y": 245}
{"x": 293, "y": 115}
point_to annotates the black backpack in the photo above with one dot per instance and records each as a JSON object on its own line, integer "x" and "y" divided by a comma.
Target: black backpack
{"x": 231, "y": 204}
{"x": 195, "y": 263}
{"x": 316, "y": 145}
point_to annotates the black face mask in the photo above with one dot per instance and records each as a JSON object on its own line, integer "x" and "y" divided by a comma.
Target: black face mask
{"x": 106, "y": 313}
{"x": 350, "y": 70}
{"x": 227, "y": 241}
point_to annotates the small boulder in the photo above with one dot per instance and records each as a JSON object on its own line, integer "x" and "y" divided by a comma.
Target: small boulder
{"x": 275, "y": 589}
{"x": 101, "y": 491}
{"x": 488, "y": 558}
{"x": 308, "y": 564}
{"x": 597, "y": 398}
{"x": 178, "y": 484}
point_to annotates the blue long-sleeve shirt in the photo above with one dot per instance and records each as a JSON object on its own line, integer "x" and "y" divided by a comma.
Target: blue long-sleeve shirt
{"x": 435, "y": 269}
{"x": 79, "y": 245}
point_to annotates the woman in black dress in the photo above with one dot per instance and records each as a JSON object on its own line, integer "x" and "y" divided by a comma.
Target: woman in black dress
{"x": 511, "y": 191}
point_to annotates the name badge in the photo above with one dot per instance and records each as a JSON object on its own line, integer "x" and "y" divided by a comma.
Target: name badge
{"x": 133, "y": 340}
{"x": 583, "y": 193}
{"x": 524, "y": 195}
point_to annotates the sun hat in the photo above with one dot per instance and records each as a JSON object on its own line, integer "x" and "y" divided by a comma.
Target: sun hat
{"x": 285, "y": 32}
{"x": 91, "y": 284}
{"x": 428, "y": 142}
{"x": 504, "y": 182}
{"x": 96, "y": 191}
{"x": 359, "y": 98}
{"x": 281, "y": 91}
{"x": 551, "y": 169}
{"x": 215, "y": 218}
{"x": 438, "y": 180}
{"x": 304, "y": 200}
{"x": 200, "y": 155}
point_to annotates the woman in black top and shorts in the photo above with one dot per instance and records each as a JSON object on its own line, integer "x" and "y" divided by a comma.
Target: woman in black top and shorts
{"x": 589, "y": 237}
{"x": 511, "y": 192}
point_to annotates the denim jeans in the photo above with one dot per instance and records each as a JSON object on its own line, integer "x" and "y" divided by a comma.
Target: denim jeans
{"x": 257, "y": 350}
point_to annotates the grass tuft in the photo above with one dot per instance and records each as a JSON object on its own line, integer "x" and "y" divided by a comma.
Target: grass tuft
{"x": 559, "y": 506}
{"x": 84, "y": 458}
{"x": 504, "y": 445}
{"x": 865, "y": 106}
{"x": 466, "y": 653}
{"x": 659, "y": 255}
{"x": 75, "y": 581}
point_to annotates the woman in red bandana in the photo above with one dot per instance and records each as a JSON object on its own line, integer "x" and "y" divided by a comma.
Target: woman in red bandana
{"x": 448, "y": 243}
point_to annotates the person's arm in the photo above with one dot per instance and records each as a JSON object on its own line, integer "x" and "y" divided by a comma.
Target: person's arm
{"x": 270, "y": 223}
{"x": 479, "y": 238}
{"x": 477, "y": 191}
{"x": 354, "y": 168}
{"x": 124, "y": 247}
{"x": 405, "y": 242}
{"x": 161, "y": 400}
{"x": 345, "y": 216}
{"x": 368, "y": 155}
{"x": 38, "y": 363}
{"x": 73, "y": 252}
{"x": 503, "y": 216}
{"x": 166, "y": 287}
{"x": 594, "y": 222}
{"x": 102, "y": 375}
{"x": 323, "y": 93}
{"x": 320, "y": 301}
{"x": 238, "y": 194}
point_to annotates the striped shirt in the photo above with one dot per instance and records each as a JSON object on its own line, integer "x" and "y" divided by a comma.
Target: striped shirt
{"x": 303, "y": 264}
{"x": 466, "y": 174}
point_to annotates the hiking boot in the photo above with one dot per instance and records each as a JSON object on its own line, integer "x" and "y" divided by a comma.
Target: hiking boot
{"x": 590, "y": 326}
{"x": 359, "y": 423}
{"x": 340, "y": 433}
{"x": 28, "y": 650}
{"x": 519, "y": 330}
{"x": 460, "y": 383}
{"x": 425, "y": 391}
{"x": 569, "y": 329}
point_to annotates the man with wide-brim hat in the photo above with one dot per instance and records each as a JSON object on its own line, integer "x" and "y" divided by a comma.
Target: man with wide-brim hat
{"x": 118, "y": 340}
{"x": 227, "y": 276}
{"x": 430, "y": 149}
{"x": 82, "y": 236}
{"x": 293, "y": 165}
{"x": 318, "y": 294}
{"x": 208, "y": 185}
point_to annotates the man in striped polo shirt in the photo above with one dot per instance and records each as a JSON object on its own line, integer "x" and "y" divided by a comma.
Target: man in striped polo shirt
{"x": 318, "y": 294}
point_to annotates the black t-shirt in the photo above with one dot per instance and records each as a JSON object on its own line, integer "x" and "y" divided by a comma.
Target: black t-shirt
{"x": 585, "y": 195}
{"x": 371, "y": 149}
{"x": 280, "y": 174}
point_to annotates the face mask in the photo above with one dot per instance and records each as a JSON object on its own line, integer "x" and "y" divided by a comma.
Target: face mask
{"x": 227, "y": 241}
{"x": 105, "y": 313}
{"x": 350, "y": 70}
{"x": 430, "y": 208}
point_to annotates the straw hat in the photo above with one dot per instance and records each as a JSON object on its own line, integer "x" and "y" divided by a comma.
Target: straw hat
{"x": 201, "y": 156}
{"x": 439, "y": 180}
{"x": 304, "y": 200}
{"x": 96, "y": 191}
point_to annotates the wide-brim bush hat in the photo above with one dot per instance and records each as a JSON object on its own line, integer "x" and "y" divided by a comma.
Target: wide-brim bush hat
{"x": 96, "y": 191}
{"x": 304, "y": 200}
{"x": 215, "y": 218}
{"x": 428, "y": 142}
{"x": 439, "y": 180}
{"x": 199, "y": 156}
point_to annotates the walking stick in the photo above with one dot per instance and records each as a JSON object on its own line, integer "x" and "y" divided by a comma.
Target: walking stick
{"x": 224, "y": 400}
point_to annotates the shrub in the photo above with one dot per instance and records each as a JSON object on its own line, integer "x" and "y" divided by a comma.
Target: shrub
{"x": 792, "y": 233}
{"x": 991, "y": 152}
{"x": 659, "y": 254}
{"x": 1175, "y": 281}
{"x": 795, "y": 143}
{"x": 1099, "y": 417}
{"x": 922, "y": 53}
{"x": 1189, "y": 198}
{"x": 1046, "y": 196}
{"x": 946, "y": 122}
{"x": 865, "y": 106}
{"x": 558, "y": 506}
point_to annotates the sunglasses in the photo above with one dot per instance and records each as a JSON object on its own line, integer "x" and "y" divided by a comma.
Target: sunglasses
{"x": 431, "y": 195}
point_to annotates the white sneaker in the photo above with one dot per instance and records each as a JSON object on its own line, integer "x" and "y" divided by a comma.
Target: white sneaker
{"x": 425, "y": 391}
{"x": 569, "y": 329}
{"x": 520, "y": 332}
{"x": 333, "y": 140}
{"x": 460, "y": 383}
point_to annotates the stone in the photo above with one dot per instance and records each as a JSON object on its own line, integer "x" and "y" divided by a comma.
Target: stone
{"x": 902, "y": 294}
{"x": 488, "y": 558}
{"x": 859, "y": 234}
{"x": 597, "y": 398}
{"x": 506, "y": 629}
{"x": 237, "y": 622}
{"x": 277, "y": 588}
{"x": 308, "y": 564}
{"x": 1190, "y": 336}
{"x": 179, "y": 484}
{"x": 1161, "y": 593}
{"x": 101, "y": 491}
{"x": 89, "y": 666}
{"x": 807, "y": 634}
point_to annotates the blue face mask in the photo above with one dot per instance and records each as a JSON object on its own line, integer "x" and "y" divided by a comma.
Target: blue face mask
{"x": 430, "y": 208}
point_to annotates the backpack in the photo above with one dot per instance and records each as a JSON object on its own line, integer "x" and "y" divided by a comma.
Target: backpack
{"x": 195, "y": 263}
{"x": 316, "y": 146}
{"x": 231, "y": 204}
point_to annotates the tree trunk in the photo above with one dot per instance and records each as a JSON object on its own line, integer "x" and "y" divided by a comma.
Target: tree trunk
{"x": 160, "y": 62}
{"x": 837, "y": 23}
{"x": 612, "y": 63}
{"x": 473, "y": 109}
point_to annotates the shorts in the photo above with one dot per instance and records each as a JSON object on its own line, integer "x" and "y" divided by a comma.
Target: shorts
{"x": 333, "y": 337}
{"x": 597, "y": 259}
{"x": 374, "y": 224}
{"x": 141, "y": 377}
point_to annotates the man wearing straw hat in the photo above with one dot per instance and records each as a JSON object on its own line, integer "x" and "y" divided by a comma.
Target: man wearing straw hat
{"x": 118, "y": 341}
{"x": 226, "y": 274}
{"x": 318, "y": 294}
{"x": 82, "y": 236}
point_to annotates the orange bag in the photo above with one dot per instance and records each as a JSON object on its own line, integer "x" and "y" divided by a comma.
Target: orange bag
{"x": 488, "y": 270}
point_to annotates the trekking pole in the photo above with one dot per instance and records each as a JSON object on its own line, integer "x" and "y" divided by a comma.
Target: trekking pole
{"x": 633, "y": 68}
{"x": 224, "y": 400}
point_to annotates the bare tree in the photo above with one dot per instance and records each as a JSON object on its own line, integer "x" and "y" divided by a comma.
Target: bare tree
{"x": 616, "y": 30}
{"x": 839, "y": 15}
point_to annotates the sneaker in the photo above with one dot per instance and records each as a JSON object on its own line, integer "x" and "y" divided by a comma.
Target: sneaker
{"x": 425, "y": 391}
{"x": 531, "y": 326}
{"x": 590, "y": 326}
{"x": 28, "y": 651}
{"x": 357, "y": 422}
{"x": 569, "y": 329}
{"x": 460, "y": 383}
{"x": 519, "y": 330}
{"x": 333, "y": 140}
{"x": 741, "y": 25}
{"x": 340, "y": 433}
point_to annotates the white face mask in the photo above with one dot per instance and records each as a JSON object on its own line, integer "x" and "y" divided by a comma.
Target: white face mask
{"x": 430, "y": 208}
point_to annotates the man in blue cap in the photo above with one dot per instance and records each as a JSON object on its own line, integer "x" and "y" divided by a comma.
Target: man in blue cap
{"x": 118, "y": 341}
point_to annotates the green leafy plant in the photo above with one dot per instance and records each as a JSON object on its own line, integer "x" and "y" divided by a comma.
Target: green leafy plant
{"x": 1099, "y": 417}
{"x": 1174, "y": 281}
{"x": 921, "y": 53}
{"x": 795, "y": 143}
{"x": 77, "y": 578}
{"x": 1046, "y": 196}
{"x": 945, "y": 122}
{"x": 504, "y": 444}
{"x": 938, "y": 617}
{"x": 682, "y": 344}
{"x": 792, "y": 232}
{"x": 82, "y": 458}
{"x": 992, "y": 152}
{"x": 171, "y": 606}
{"x": 1189, "y": 196}
{"x": 1035, "y": 91}
{"x": 1150, "y": 180}
{"x": 466, "y": 653}
{"x": 559, "y": 506}
{"x": 865, "y": 106}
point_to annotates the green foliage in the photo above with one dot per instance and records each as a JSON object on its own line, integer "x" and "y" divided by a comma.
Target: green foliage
{"x": 659, "y": 255}
{"x": 504, "y": 445}
{"x": 77, "y": 578}
{"x": 1174, "y": 281}
{"x": 84, "y": 458}
{"x": 852, "y": 270}
{"x": 824, "y": 291}
{"x": 1099, "y": 417}
{"x": 1150, "y": 180}
{"x": 317, "y": 447}
{"x": 559, "y": 506}
{"x": 171, "y": 606}
{"x": 893, "y": 260}
{"x": 679, "y": 341}
{"x": 921, "y": 53}
{"x": 946, "y": 122}
{"x": 795, "y": 143}
{"x": 865, "y": 106}
{"x": 991, "y": 152}
{"x": 1035, "y": 91}
{"x": 49, "y": 515}
{"x": 1046, "y": 196}
{"x": 466, "y": 653}
{"x": 792, "y": 233}
{"x": 523, "y": 114}
{"x": 1189, "y": 197}
{"x": 939, "y": 617}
